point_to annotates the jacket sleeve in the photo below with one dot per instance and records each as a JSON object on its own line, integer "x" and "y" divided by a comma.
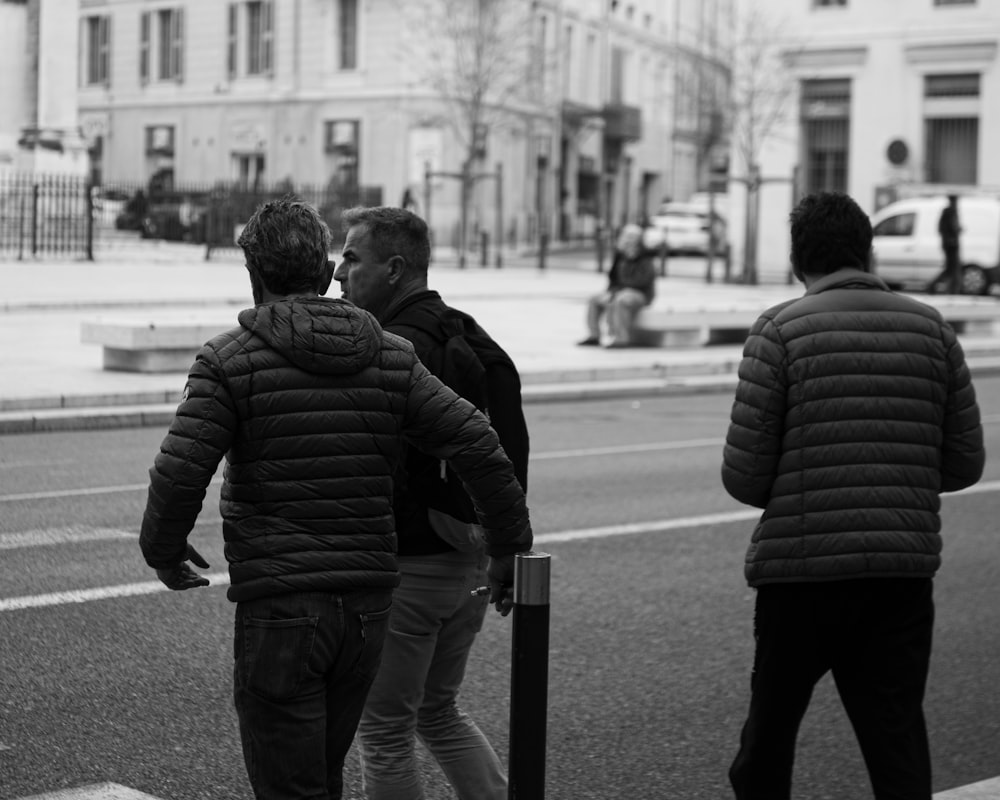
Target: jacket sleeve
{"x": 199, "y": 437}
{"x": 753, "y": 443}
{"x": 963, "y": 454}
{"x": 444, "y": 425}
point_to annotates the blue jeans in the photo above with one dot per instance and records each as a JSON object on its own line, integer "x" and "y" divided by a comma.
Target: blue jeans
{"x": 303, "y": 666}
{"x": 433, "y": 625}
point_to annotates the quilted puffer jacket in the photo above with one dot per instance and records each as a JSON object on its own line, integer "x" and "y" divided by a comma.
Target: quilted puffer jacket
{"x": 854, "y": 410}
{"x": 310, "y": 402}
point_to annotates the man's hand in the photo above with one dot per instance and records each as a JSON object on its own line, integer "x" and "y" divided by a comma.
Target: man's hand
{"x": 182, "y": 576}
{"x": 500, "y": 573}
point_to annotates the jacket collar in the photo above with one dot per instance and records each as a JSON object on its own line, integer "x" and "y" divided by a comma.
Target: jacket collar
{"x": 848, "y": 277}
{"x": 404, "y": 300}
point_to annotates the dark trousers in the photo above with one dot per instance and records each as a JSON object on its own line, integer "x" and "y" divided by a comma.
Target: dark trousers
{"x": 303, "y": 667}
{"x": 951, "y": 275}
{"x": 875, "y": 636}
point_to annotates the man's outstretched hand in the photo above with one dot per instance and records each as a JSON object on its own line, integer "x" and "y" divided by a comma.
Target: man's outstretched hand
{"x": 500, "y": 573}
{"x": 182, "y": 576}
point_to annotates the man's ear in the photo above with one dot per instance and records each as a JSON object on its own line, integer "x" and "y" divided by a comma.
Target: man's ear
{"x": 397, "y": 268}
{"x": 326, "y": 278}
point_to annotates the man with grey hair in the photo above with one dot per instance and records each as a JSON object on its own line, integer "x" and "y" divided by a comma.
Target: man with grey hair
{"x": 435, "y": 615}
{"x": 311, "y": 403}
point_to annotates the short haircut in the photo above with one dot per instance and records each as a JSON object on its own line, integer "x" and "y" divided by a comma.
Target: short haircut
{"x": 392, "y": 232}
{"x": 830, "y": 232}
{"x": 287, "y": 244}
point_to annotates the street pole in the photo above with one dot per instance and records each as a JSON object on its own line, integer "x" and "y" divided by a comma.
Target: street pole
{"x": 529, "y": 677}
{"x": 498, "y": 245}
{"x": 427, "y": 205}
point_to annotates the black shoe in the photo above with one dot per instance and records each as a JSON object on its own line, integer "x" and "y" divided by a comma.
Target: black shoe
{"x": 590, "y": 341}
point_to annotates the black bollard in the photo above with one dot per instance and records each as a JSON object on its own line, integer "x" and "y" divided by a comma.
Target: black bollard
{"x": 529, "y": 678}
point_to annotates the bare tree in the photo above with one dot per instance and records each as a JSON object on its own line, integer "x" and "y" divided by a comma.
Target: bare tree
{"x": 761, "y": 93}
{"x": 483, "y": 61}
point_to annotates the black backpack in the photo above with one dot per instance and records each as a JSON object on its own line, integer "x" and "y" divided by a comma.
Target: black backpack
{"x": 464, "y": 354}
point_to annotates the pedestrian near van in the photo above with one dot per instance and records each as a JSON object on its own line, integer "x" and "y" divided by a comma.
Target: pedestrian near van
{"x": 950, "y": 231}
{"x": 312, "y": 405}
{"x": 436, "y": 615}
{"x": 854, "y": 410}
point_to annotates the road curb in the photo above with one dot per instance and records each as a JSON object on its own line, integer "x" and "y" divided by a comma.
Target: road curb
{"x": 157, "y": 410}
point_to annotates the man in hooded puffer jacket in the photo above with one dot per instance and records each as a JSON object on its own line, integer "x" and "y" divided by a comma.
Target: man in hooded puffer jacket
{"x": 310, "y": 402}
{"x": 854, "y": 411}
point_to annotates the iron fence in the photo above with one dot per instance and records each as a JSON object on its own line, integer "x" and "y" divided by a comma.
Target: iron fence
{"x": 45, "y": 215}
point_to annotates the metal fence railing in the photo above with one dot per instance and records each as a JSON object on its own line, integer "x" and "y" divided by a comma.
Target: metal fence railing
{"x": 42, "y": 214}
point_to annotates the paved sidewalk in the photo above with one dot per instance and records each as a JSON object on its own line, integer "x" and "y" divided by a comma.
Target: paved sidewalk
{"x": 53, "y": 381}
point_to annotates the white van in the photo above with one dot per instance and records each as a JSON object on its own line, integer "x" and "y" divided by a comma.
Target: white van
{"x": 908, "y": 250}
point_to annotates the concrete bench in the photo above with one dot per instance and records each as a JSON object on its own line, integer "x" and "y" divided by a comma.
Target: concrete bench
{"x": 662, "y": 326}
{"x": 164, "y": 344}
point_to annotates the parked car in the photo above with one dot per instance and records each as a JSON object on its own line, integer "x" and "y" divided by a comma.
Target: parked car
{"x": 686, "y": 228}
{"x": 175, "y": 216}
{"x": 907, "y": 246}
{"x": 109, "y": 203}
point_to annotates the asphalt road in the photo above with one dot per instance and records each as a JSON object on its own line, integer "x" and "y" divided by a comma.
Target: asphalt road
{"x": 650, "y": 633}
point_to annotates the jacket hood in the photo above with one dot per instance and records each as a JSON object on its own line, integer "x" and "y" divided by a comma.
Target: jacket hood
{"x": 318, "y": 334}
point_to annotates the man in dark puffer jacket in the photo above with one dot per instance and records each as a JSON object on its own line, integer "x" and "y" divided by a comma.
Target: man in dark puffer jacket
{"x": 854, "y": 410}
{"x": 311, "y": 403}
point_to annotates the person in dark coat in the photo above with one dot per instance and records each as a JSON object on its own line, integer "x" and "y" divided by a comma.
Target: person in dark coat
{"x": 436, "y": 615}
{"x": 950, "y": 231}
{"x": 311, "y": 404}
{"x": 853, "y": 412}
{"x": 631, "y": 285}
{"x": 637, "y": 279}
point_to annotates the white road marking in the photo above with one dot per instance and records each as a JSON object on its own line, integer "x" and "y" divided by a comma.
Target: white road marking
{"x": 607, "y": 531}
{"x": 95, "y": 791}
{"x": 647, "y": 447}
{"x": 73, "y": 533}
{"x": 648, "y": 527}
{"x": 984, "y": 790}
{"x": 100, "y": 593}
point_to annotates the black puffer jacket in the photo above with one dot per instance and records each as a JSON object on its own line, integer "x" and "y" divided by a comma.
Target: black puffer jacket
{"x": 310, "y": 402}
{"x": 854, "y": 410}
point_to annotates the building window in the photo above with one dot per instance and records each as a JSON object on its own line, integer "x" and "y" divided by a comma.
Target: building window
{"x": 260, "y": 37}
{"x": 97, "y": 50}
{"x": 249, "y": 170}
{"x": 250, "y": 39}
{"x": 825, "y": 118}
{"x": 163, "y": 46}
{"x": 341, "y": 144}
{"x": 617, "y": 80}
{"x": 951, "y": 128}
{"x": 144, "y": 48}
{"x": 232, "y": 40}
{"x": 347, "y": 29}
